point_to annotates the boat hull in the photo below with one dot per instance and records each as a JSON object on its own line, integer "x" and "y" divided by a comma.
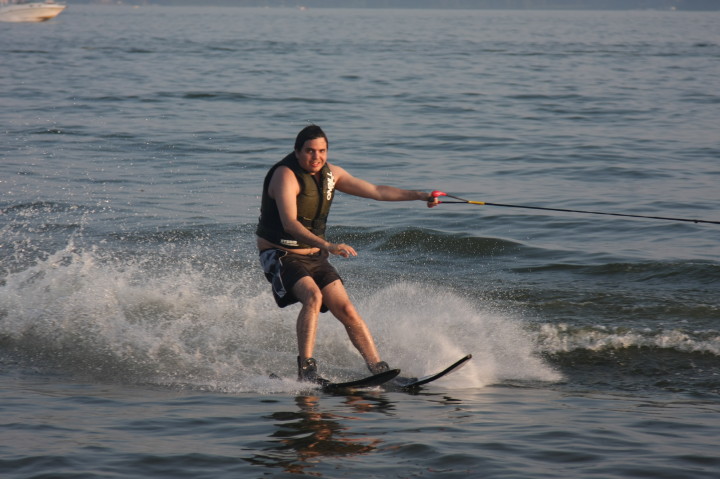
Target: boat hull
{"x": 30, "y": 12}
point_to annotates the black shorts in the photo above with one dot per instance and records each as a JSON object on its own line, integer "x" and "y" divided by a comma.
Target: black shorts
{"x": 283, "y": 270}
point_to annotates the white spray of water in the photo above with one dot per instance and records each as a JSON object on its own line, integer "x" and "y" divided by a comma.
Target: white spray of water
{"x": 422, "y": 329}
{"x": 563, "y": 338}
{"x": 219, "y": 329}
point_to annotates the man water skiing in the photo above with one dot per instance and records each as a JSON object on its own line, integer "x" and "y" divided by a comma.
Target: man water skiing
{"x": 296, "y": 199}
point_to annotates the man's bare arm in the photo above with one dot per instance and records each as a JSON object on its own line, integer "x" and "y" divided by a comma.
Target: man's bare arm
{"x": 351, "y": 185}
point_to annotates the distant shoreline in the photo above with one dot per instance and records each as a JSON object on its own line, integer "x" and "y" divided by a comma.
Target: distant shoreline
{"x": 662, "y": 5}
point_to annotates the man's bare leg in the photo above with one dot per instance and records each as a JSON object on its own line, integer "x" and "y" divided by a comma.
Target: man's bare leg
{"x": 311, "y": 299}
{"x": 336, "y": 299}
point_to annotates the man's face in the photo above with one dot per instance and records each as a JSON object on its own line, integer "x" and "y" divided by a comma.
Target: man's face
{"x": 313, "y": 155}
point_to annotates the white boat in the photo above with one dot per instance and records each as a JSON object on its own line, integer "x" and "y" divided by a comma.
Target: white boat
{"x": 20, "y": 11}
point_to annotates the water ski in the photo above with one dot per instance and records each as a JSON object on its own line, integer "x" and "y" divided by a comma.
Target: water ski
{"x": 408, "y": 384}
{"x": 366, "y": 382}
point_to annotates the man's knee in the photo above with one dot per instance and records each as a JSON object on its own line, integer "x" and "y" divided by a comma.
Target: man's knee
{"x": 310, "y": 297}
{"x": 347, "y": 313}
{"x": 315, "y": 300}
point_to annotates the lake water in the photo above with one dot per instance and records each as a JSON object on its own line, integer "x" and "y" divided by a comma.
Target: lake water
{"x": 137, "y": 332}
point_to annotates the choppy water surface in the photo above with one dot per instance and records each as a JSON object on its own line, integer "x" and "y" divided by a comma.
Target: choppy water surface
{"x": 137, "y": 332}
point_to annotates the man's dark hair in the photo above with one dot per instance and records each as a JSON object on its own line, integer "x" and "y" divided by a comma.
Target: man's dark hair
{"x": 310, "y": 132}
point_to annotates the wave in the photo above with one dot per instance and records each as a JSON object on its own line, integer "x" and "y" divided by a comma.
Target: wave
{"x": 188, "y": 307}
{"x": 564, "y": 338}
{"x": 644, "y": 272}
{"x": 421, "y": 240}
{"x": 38, "y": 206}
{"x": 527, "y": 258}
{"x": 676, "y": 360}
{"x": 214, "y": 326}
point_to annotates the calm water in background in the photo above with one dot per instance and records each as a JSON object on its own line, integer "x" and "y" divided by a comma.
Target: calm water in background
{"x": 137, "y": 332}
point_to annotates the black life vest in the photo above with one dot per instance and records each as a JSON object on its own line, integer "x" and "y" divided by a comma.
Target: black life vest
{"x": 313, "y": 204}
